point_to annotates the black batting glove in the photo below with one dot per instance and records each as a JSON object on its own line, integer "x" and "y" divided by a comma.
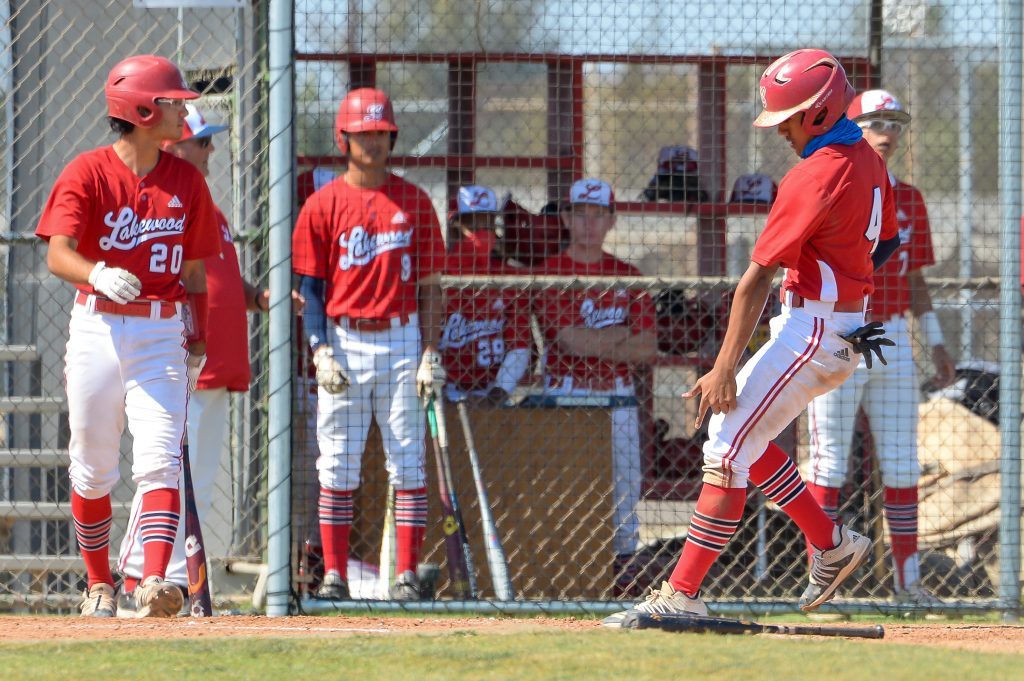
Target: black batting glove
{"x": 867, "y": 339}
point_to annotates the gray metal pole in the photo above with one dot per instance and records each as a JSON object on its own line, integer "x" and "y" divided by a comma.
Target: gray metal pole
{"x": 1010, "y": 308}
{"x": 282, "y": 182}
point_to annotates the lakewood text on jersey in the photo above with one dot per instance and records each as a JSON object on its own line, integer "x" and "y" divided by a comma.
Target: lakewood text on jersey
{"x": 127, "y": 230}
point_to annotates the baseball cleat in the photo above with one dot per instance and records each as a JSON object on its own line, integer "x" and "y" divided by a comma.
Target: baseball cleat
{"x": 831, "y": 567}
{"x": 406, "y": 587}
{"x": 333, "y": 588}
{"x": 663, "y": 600}
{"x": 916, "y": 596}
{"x": 155, "y": 597}
{"x": 98, "y": 601}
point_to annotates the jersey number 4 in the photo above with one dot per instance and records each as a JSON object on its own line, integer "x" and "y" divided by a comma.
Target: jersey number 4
{"x": 159, "y": 256}
{"x": 874, "y": 231}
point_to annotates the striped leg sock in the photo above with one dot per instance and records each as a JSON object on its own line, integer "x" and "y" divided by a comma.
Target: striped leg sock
{"x": 828, "y": 499}
{"x": 335, "y": 512}
{"x": 410, "y": 526}
{"x": 158, "y": 524}
{"x": 718, "y": 514}
{"x": 901, "y": 514}
{"x": 776, "y": 475}
{"x": 92, "y": 531}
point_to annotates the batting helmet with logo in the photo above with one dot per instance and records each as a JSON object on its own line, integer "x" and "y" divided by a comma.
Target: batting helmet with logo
{"x": 877, "y": 104}
{"x": 364, "y": 110}
{"x": 135, "y": 83}
{"x": 811, "y": 81}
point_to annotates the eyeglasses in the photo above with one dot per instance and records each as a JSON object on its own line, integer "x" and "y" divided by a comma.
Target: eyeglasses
{"x": 170, "y": 102}
{"x": 882, "y": 126}
{"x": 203, "y": 142}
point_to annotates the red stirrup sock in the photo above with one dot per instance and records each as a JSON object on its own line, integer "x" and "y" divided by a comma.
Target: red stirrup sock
{"x": 718, "y": 514}
{"x": 335, "y": 513}
{"x": 158, "y": 525}
{"x": 410, "y": 526}
{"x": 901, "y": 514}
{"x": 92, "y": 530}
{"x": 776, "y": 475}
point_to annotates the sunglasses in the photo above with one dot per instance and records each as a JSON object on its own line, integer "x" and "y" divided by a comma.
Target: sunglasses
{"x": 170, "y": 102}
{"x": 202, "y": 142}
{"x": 883, "y": 126}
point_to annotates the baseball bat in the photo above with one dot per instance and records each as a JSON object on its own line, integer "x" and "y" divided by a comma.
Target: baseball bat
{"x": 496, "y": 559}
{"x": 387, "y": 546}
{"x": 460, "y": 562}
{"x": 721, "y": 625}
{"x": 200, "y": 603}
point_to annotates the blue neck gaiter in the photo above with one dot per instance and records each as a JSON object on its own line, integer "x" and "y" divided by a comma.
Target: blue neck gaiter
{"x": 844, "y": 131}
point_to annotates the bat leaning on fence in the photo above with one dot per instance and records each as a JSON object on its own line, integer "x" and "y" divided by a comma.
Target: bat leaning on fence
{"x": 387, "y": 546}
{"x": 496, "y": 560}
{"x": 721, "y": 625}
{"x": 460, "y": 561}
{"x": 200, "y": 603}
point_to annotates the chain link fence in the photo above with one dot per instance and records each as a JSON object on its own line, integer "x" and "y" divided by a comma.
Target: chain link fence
{"x": 592, "y": 492}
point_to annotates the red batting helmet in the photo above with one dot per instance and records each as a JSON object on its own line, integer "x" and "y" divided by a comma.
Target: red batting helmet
{"x": 812, "y": 81}
{"x": 364, "y": 110}
{"x": 877, "y": 104}
{"x": 137, "y": 82}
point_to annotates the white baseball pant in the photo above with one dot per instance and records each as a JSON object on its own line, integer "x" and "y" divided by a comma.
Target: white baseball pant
{"x": 207, "y": 423}
{"x": 804, "y": 358}
{"x": 119, "y": 368}
{"x": 381, "y": 366}
{"x": 889, "y": 396}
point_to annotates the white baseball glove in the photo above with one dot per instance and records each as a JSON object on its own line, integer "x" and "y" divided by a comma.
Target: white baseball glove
{"x": 430, "y": 377}
{"x": 119, "y": 285}
{"x": 329, "y": 373}
{"x": 193, "y": 367}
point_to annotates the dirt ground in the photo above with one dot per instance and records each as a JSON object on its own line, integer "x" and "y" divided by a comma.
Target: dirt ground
{"x": 976, "y": 637}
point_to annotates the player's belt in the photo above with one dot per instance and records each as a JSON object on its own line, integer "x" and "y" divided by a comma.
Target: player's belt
{"x": 360, "y": 324}
{"x": 140, "y": 308}
{"x": 793, "y": 300}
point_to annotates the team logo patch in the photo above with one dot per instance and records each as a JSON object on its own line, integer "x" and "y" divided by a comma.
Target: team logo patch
{"x": 175, "y": 202}
{"x": 843, "y": 354}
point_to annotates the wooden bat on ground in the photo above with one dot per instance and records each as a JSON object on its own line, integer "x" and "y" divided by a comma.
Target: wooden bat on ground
{"x": 496, "y": 559}
{"x": 460, "y": 562}
{"x": 200, "y": 603}
{"x": 721, "y": 625}
{"x": 387, "y": 547}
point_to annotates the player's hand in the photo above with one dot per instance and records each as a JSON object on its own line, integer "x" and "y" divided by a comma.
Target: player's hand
{"x": 867, "y": 339}
{"x": 430, "y": 377}
{"x": 945, "y": 370}
{"x": 329, "y": 373}
{"x": 118, "y": 285}
{"x": 194, "y": 366}
{"x": 717, "y": 390}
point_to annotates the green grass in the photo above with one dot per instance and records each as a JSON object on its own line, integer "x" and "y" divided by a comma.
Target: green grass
{"x": 600, "y": 654}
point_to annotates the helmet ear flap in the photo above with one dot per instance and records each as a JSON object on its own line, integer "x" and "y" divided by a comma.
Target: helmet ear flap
{"x": 342, "y": 139}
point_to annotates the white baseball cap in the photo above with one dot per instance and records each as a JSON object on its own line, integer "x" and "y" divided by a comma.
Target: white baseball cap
{"x": 754, "y": 188}
{"x": 196, "y": 126}
{"x": 592, "y": 191}
{"x": 678, "y": 159}
{"x": 476, "y": 199}
{"x": 879, "y": 104}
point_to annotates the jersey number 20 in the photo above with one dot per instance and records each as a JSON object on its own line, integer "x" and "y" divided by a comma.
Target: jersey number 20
{"x": 875, "y": 222}
{"x": 158, "y": 258}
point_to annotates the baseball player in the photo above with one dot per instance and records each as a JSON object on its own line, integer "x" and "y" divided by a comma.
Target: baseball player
{"x": 594, "y": 339}
{"x": 226, "y": 369}
{"x": 129, "y": 226}
{"x": 889, "y": 393}
{"x": 484, "y": 355}
{"x": 369, "y": 252}
{"x": 832, "y": 223}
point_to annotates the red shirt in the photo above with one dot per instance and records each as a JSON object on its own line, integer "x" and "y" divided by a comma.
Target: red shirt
{"x": 147, "y": 226}
{"x": 370, "y": 245}
{"x": 892, "y": 287}
{"x": 480, "y": 324}
{"x": 227, "y": 335}
{"x": 594, "y": 309}
{"x": 832, "y": 209}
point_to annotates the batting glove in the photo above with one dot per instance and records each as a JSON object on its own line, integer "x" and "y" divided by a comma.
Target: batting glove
{"x": 193, "y": 367}
{"x": 868, "y": 339}
{"x": 119, "y": 285}
{"x": 329, "y": 373}
{"x": 430, "y": 377}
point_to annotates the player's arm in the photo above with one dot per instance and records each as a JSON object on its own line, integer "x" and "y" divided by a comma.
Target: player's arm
{"x": 884, "y": 250}
{"x": 256, "y": 299}
{"x": 614, "y": 343}
{"x": 431, "y": 310}
{"x": 193, "y": 277}
{"x": 717, "y": 388}
{"x": 921, "y": 306}
{"x": 889, "y": 238}
{"x": 314, "y": 315}
{"x": 64, "y": 260}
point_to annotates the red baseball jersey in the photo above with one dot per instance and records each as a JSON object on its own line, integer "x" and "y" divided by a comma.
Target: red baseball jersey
{"x": 480, "y": 324}
{"x": 146, "y": 225}
{"x": 370, "y": 245}
{"x": 227, "y": 340}
{"x": 892, "y": 287}
{"x": 832, "y": 209}
{"x": 595, "y": 309}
